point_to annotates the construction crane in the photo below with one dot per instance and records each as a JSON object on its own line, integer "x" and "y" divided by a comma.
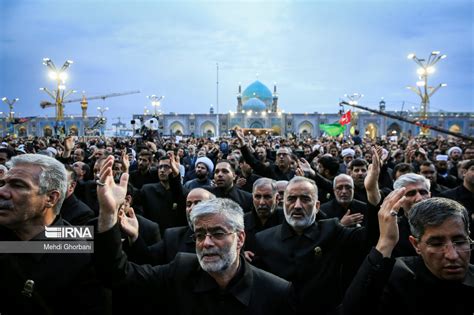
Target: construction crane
{"x": 84, "y": 100}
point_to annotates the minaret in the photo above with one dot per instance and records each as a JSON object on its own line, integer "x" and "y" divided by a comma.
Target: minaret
{"x": 382, "y": 105}
{"x": 211, "y": 109}
{"x": 239, "y": 99}
{"x": 84, "y": 104}
{"x": 275, "y": 99}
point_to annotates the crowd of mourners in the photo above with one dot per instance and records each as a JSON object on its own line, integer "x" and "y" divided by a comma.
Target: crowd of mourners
{"x": 240, "y": 225}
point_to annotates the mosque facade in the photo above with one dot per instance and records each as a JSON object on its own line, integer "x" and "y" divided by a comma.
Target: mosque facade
{"x": 257, "y": 111}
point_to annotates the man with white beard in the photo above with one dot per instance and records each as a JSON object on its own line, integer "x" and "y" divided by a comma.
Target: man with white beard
{"x": 191, "y": 283}
{"x": 310, "y": 253}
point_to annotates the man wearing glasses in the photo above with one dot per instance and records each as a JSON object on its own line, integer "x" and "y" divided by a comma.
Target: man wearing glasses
{"x": 439, "y": 280}
{"x": 164, "y": 202}
{"x": 215, "y": 281}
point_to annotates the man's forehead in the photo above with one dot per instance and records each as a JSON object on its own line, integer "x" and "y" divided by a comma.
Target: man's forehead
{"x": 343, "y": 181}
{"x": 263, "y": 189}
{"x": 223, "y": 165}
{"x": 23, "y": 172}
{"x": 299, "y": 188}
{"x": 418, "y": 185}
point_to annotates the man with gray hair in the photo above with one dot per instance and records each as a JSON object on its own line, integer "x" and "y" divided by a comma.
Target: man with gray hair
{"x": 31, "y": 195}
{"x": 351, "y": 212}
{"x": 417, "y": 188}
{"x": 192, "y": 282}
{"x": 310, "y": 253}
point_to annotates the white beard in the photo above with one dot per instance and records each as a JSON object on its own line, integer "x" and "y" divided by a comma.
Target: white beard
{"x": 228, "y": 255}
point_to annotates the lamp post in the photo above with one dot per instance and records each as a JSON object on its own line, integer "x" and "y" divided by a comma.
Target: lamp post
{"x": 155, "y": 102}
{"x": 11, "y": 113}
{"x": 60, "y": 76}
{"x": 422, "y": 89}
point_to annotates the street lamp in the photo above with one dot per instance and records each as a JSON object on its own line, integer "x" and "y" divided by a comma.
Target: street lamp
{"x": 102, "y": 110}
{"x": 155, "y": 102}
{"x": 60, "y": 76}
{"x": 422, "y": 89}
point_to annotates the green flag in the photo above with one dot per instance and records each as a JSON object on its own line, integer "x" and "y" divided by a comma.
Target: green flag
{"x": 332, "y": 129}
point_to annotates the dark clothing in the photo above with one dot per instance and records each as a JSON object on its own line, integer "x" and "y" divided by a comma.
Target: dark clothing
{"x": 333, "y": 209}
{"x": 137, "y": 179}
{"x": 449, "y": 180}
{"x": 75, "y": 211}
{"x": 86, "y": 191}
{"x": 259, "y": 168}
{"x": 312, "y": 261}
{"x": 175, "y": 240}
{"x": 325, "y": 187}
{"x": 436, "y": 189}
{"x": 253, "y": 225}
{"x": 403, "y": 247}
{"x": 248, "y": 187}
{"x": 63, "y": 283}
{"x": 185, "y": 288}
{"x": 196, "y": 183}
{"x": 243, "y": 198}
{"x": 406, "y": 286}
{"x": 466, "y": 198}
{"x": 164, "y": 206}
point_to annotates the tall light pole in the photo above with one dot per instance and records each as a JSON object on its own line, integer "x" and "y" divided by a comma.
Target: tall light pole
{"x": 60, "y": 76}
{"x": 11, "y": 113}
{"x": 155, "y": 102}
{"x": 422, "y": 89}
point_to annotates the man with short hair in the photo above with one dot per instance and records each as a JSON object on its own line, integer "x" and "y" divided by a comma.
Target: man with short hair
{"x": 224, "y": 176}
{"x": 264, "y": 214}
{"x": 357, "y": 169}
{"x": 144, "y": 174}
{"x": 175, "y": 240}
{"x": 163, "y": 202}
{"x": 428, "y": 170}
{"x": 428, "y": 283}
{"x": 31, "y": 196}
{"x": 247, "y": 178}
{"x": 193, "y": 282}
{"x": 349, "y": 211}
{"x": 417, "y": 188}
{"x": 307, "y": 252}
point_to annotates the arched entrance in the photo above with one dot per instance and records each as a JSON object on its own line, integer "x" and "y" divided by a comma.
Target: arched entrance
{"x": 208, "y": 129}
{"x": 177, "y": 128}
{"x": 305, "y": 129}
{"x": 394, "y": 130}
{"x": 256, "y": 124}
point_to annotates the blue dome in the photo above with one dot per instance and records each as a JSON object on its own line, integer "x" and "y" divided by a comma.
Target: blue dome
{"x": 255, "y": 105}
{"x": 258, "y": 90}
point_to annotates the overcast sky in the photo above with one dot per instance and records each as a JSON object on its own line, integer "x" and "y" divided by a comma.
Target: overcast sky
{"x": 316, "y": 51}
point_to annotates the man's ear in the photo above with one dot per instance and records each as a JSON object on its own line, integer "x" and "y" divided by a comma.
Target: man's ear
{"x": 240, "y": 239}
{"x": 415, "y": 243}
{"x": 52, "y": 198}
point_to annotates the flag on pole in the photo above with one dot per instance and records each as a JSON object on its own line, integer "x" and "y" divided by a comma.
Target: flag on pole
{"x": 332, "y": 129}
{"x": 346, "y": 118}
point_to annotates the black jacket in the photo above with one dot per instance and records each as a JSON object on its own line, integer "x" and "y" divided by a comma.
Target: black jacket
{"x": 243, "y": 198}
{"x": 333, "y": 209}
{"x": 312, "y": 261}
{"x": 75, "y": 211}
{"x": 259, "y": 168}
{"x": 253, "y": 225}
{"x": 175, "y": 240}
{"x": 182, "y": 287}
{"x": 406, "y": 286}
{"x": 63, "y": 282}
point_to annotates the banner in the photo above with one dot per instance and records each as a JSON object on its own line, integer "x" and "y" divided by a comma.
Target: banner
{"x": 346, "y": 118}
{"x": 332, "y": 129}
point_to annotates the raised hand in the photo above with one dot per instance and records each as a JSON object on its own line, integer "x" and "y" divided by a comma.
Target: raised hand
{"x": 305, "y": 166}
{"x": 128, "y": 222}
{"x": 387, "y": 215}
{"x": 109, "y": 194}
{"x": 352, "y": 219}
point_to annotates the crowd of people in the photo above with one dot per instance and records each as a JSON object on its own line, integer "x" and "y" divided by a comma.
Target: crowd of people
{"x": 240, "y": 225}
